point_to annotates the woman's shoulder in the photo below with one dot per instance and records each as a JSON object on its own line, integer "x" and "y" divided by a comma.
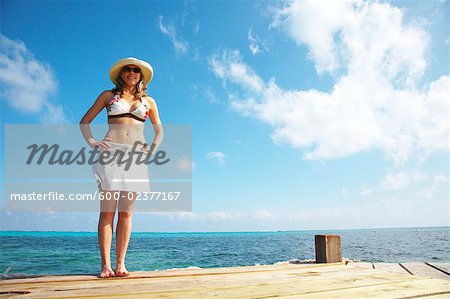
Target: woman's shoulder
{"x": 151, "y": 101}
{"x": 107, "y": 95}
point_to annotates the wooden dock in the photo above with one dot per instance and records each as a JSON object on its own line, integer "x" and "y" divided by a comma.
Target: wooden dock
{"x": 332, "y": 280}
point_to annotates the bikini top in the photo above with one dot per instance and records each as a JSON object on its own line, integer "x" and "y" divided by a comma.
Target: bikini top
{"x": 120, "y": 108}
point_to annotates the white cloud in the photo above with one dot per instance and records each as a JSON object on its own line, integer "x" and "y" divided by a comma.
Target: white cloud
{"x": 382, "y": 212}
{"x": 178, "y": 216}
{"x": 27, "y": 82}
{"x": 218, "y": 216}
{"x": 181, "y": 46}
{"x": 438, "y": 181}
{"x": 256, "y": 44}
{"x": 186, "y": 215}
{"x": 365, "y": 191}
{"x": 264, "y": 215}
{"x": 343, "y": 191}
{"x": 221, "y": 216}
{"x": 197, "y": 28}
{"x": 217, "y": 157}
{"x": 53, "y": 113}
{"x": 375, "y": 102}
{"x": 355, "y": 35}
{"x": 210, "y": 95}
{"x": 400, "y": 180}
{"x": 235, "y": 70}
{"x": 204, "y": 93}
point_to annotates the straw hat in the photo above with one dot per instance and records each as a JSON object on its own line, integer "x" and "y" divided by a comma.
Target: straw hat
{"x": 146, "y": 69}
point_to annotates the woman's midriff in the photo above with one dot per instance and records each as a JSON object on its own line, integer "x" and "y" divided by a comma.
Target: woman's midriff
{"x": 126, "y": 131}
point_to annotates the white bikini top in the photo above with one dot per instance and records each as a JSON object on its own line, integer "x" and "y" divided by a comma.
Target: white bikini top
{"x": 120, "y": 108}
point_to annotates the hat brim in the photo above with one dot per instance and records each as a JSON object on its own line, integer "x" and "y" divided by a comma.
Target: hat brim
{"x": 146, "y": 69}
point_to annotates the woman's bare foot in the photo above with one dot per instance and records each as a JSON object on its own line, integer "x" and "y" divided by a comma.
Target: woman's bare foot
{"x": 121, "y": 271}
{"x": 107, "y": 272}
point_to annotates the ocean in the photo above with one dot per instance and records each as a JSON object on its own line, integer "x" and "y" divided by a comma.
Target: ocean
{"x": 48, "y": 253}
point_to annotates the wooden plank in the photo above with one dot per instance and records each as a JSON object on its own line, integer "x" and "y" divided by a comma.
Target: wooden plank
{"x": 390, "y": 267}
{"x": 203, "y": 275}
{"x": 437, "y": 296}
{"x": 444, "y": 267}
{"x": 270, "y": 272}
{"x": 422, "y": 269}
{"x": 177, "y": 284}
{"x": 320, "y": 280}
{"x": 409, "y": 289}
{"x": 360, "y": 265}
{"x": 230, "y": 286}
{"x": 378, "y": 286}
{"x": 184, "y": 272}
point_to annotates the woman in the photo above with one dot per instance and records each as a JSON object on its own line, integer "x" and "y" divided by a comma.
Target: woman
{"x": 128, "y": 107}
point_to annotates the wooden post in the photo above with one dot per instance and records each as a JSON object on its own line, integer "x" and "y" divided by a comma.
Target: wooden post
{"x": 328, "y": 249}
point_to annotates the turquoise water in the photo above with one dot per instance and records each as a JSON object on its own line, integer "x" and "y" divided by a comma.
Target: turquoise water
{"x": 44, "y": 253}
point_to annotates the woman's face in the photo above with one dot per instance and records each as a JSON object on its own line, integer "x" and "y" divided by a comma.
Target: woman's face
{"x": 131, "y": 74}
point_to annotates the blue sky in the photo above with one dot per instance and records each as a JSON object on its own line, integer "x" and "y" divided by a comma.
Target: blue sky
{"x": 305, "y": 115}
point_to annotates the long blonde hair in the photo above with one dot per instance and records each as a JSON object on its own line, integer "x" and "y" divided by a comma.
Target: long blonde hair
{"x": 141, "y": 87}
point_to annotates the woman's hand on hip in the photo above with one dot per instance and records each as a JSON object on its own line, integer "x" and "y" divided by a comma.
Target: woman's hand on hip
{"x": 102, "y": 145}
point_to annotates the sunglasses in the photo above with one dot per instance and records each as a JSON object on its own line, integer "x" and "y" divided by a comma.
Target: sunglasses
{"x": 133, "y": 69}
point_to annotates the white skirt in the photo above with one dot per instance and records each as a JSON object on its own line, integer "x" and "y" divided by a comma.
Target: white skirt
{"x": 114, "y": 175}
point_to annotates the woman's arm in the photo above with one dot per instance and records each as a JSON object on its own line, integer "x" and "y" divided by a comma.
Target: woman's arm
{"x": 157, "y": 126}
{"x": 95, "y": 109}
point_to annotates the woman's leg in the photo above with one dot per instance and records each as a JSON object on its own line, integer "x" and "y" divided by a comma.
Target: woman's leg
{"x": 105, "y": 231}
{"x": 123, "y": 230}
